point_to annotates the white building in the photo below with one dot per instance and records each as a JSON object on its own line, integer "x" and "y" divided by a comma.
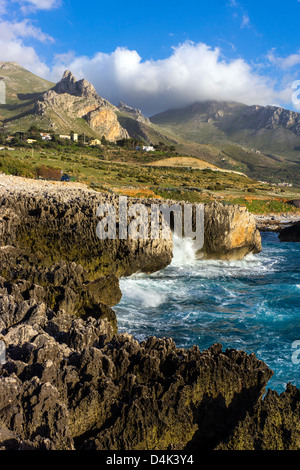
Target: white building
{"x": 45, "y": 136}
{"x": 2, "y": 91}
{"x": 67, "y": 137}
{"x": 146, "y": 148}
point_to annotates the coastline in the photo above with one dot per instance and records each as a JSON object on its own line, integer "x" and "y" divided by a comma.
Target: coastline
{"x": 71, "y": 382}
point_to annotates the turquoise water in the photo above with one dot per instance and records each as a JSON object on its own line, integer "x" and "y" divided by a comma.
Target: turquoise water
{"x": 251, "y": 305}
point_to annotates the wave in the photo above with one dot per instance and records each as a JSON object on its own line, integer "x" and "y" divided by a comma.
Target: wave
{"x": 142, "y": 293}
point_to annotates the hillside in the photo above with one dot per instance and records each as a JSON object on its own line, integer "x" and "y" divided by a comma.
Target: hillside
{"x": 262, "y": 141}
{"x": 23, "y": 88}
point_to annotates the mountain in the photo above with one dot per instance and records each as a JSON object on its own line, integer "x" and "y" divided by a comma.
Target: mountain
{"x": 68, "y": 106}
{"x": 263, "y": 141}
{"x": 73, "y": 105}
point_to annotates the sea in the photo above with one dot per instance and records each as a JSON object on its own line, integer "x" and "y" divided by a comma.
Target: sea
{"x": 251, "y": 305}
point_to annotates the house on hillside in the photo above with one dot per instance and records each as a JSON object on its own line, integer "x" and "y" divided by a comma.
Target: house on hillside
{"x": 95, "y": 142}
{"x": 146, "y": 148}
{"x": 66, "y": 137}
{"x": 45, "y": 136}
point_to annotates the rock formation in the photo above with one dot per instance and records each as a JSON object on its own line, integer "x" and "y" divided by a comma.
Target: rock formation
{"x": 230, "y": 233}
{"x": 73, "y": 384}
{"x": 70, "y": 99}
{"x": 69, "y": 383}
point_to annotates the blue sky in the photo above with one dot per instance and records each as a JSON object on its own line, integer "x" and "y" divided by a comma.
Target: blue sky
{"x": 155, "y": 55}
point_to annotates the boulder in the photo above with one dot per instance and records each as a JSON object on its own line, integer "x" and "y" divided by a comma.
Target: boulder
{"x": 230, "y": 233}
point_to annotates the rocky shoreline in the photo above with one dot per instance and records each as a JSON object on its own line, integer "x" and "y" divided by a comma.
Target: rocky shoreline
{"x": 274, "y": 222}
{"x": 70, "y": 381}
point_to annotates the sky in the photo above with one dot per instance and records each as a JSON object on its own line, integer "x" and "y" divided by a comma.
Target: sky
{"x": 159, "y": 55}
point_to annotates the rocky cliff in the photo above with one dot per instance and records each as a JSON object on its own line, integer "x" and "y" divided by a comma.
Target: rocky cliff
{"x": 134, "y": 113}
{"x": 71, "y": 99}
{"x": 70, "y": 381}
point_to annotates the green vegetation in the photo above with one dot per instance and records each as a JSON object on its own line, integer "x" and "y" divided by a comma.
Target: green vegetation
{"x": 115, "y": 168}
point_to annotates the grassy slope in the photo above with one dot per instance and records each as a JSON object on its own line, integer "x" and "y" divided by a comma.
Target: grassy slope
{"x": 128, "y": 172}
{"x": 22, "y": 90}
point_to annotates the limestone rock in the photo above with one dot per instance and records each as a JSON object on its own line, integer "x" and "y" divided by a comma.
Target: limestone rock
{"x": 272, "y": 425}
{"x": 230, "y": 233}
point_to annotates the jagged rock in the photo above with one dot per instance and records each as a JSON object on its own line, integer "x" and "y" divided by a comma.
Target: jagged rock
{"x": 273, "y": 424}
{"x": 290, "y": 234}
{"x": 68, "y": 84}
{"x": 74, "y": 383}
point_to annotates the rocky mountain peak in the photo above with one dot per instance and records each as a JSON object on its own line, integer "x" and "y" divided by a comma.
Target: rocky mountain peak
{"x": 69, "y": 84}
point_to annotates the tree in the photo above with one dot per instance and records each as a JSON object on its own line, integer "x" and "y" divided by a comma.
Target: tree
{"x": 104, "y": 141}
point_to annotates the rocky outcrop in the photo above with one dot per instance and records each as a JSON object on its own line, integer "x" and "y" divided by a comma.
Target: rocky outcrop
{"x": 51, "y": 223}
{"x": 72, "y": 384}
{"x": 71, "y": 99}
{"x": 290, "y": 234}
{"x": 273, "y": 424}
{"x": 275, "y": 223}
{"x": 230, "y": 233}
{"x": 68, "y": 84}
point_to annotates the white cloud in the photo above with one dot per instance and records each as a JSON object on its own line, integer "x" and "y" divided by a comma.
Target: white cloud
{"x": 22, "y": 29}
{"x": 13, "y": 47}
{"x": 29, "y": 5}
{"x": 284, "y": 63}
{"x": 193, "y": 72}
{"x": 245, "y": 21}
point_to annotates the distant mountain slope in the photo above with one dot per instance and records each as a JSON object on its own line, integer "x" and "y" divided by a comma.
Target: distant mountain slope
{"x": 268, "y": 129}
{"x": 139, "y": 126}
{"x": 75, "y": 105}
{"x": 262, "y": 141}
